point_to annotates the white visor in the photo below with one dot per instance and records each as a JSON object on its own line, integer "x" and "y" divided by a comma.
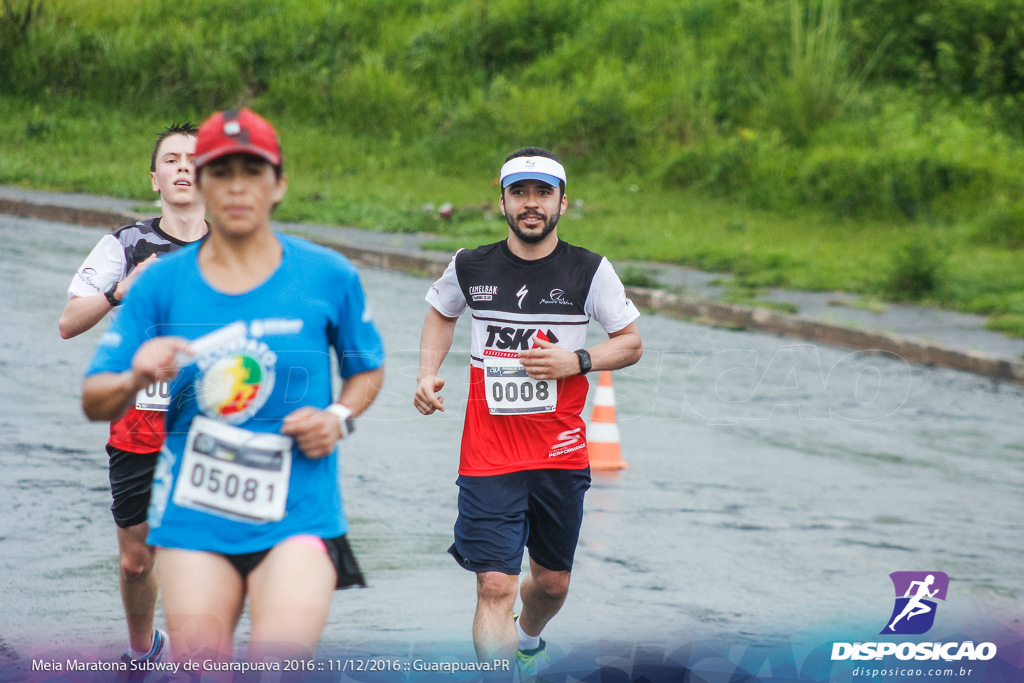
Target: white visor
{"x": 532, "y": 168}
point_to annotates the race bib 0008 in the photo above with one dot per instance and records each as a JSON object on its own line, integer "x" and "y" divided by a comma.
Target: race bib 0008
{"x": 510, "y": 391}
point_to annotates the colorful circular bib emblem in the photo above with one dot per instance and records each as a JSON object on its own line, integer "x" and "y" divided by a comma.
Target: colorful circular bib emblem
{"x": 234, "y": 387}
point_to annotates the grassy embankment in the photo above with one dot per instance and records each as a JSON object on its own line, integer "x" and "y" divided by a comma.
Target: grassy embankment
{"x": 871, "y": 150}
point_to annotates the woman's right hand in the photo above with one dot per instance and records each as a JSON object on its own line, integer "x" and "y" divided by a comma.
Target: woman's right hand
{"x": 157, "y": 360}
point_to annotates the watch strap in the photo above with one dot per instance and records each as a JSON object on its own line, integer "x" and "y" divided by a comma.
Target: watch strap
{"x": 109, "y": 293}
{"x": 345, "y": 419}
{"x": 585, "y": 363}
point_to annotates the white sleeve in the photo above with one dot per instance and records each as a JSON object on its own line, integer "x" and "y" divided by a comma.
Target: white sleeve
{"x": 607, "y": 301}
{"x": 104, "y": 264}
{"x": 446, "y": 295}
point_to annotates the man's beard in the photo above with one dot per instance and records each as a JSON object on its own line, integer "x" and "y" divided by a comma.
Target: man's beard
{"x": 531, "y": 237}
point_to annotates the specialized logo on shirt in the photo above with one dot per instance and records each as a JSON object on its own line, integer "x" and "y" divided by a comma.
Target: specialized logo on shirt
{"x": 483, "y": 292}
{"x": 515, "y": 337}
{"x": 235, "y": 382}
{"x": 523, "y": 291}
{"x": 557, "y": 296}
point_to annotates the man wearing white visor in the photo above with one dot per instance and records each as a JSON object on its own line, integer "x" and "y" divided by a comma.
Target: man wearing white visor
{"x": 524, "y": 467}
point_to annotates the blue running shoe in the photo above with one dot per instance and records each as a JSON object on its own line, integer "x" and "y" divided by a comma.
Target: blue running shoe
{"x": 155, "y": 653}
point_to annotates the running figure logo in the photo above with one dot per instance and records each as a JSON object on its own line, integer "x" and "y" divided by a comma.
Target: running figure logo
{"x": 914, "y": 611}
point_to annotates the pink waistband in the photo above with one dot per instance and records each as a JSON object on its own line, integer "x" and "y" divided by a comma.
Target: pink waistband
{"x": 314, "y": 542}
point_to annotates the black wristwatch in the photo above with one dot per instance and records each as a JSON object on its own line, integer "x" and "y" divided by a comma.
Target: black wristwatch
{"x": 109, "y": 293}
{"x": 585, "y": 363}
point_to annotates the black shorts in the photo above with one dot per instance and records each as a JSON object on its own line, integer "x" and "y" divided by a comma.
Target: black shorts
{"x": 501, "y": 515}
{"x": 131, "y": 482}
{"x": 338, "y": 549}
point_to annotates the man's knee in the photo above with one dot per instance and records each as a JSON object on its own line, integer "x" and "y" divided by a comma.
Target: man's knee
{"x": 136, "y": 557}
{"x": 496, "y": 587}
{"x": 136, "y": 564}
{"x": 555, "y": 585}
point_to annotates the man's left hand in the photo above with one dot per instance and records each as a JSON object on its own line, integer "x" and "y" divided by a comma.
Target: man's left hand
{"x": 549, "y": 361}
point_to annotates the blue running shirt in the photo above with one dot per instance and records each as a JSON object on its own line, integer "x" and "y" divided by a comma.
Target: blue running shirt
{"x": 235, "y": 394}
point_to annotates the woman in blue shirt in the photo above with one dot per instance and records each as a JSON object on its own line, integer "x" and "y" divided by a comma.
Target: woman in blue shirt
{"x": 246, "y": 497}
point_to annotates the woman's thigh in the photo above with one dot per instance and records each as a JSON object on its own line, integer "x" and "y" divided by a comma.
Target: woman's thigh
{"x": 290, "y": 595}
{"x": 202, "y": 596}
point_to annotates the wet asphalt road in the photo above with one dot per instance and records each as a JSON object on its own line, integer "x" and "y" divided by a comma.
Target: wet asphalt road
{"x": 772, "y": 486}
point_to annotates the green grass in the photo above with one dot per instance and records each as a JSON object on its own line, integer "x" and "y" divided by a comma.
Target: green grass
{"x": 364, "y": 184}
{"x": 351, "y": 182}
{"x": 796, "y": 143}
{"x": 745, "y": 296}
{"x": 1008, "y": 323}
{"x": 636, "y": 276}
{"x": 862, "y": 303}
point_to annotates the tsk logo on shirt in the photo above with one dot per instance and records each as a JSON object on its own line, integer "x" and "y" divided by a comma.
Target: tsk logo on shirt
{"x": 515, "y": 338}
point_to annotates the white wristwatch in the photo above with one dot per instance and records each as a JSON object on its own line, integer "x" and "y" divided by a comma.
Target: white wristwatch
{"x": 345, "y": 419}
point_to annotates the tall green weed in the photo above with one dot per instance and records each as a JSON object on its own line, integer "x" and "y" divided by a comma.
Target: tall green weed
{"x": 918, "y": 269}
{"x": 817, "y": 80}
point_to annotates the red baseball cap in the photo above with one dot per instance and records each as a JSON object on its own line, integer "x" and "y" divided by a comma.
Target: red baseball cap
{"x": 237, "y": 131}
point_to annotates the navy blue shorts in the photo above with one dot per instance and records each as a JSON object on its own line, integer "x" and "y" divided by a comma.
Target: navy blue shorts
{"x": 501, "y": 515}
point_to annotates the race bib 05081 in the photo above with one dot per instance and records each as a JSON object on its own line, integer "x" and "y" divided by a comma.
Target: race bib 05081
{"x": 233, "y": 472}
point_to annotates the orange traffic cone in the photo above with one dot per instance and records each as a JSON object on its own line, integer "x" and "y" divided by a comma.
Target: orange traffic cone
{"x": 603, "y": 432}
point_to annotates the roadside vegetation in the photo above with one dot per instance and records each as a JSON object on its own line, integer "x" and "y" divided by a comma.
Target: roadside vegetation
{"x": 864, "y": 145}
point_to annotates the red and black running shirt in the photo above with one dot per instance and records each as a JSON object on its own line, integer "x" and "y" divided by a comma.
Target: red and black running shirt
{"x": 512, "y": 300}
